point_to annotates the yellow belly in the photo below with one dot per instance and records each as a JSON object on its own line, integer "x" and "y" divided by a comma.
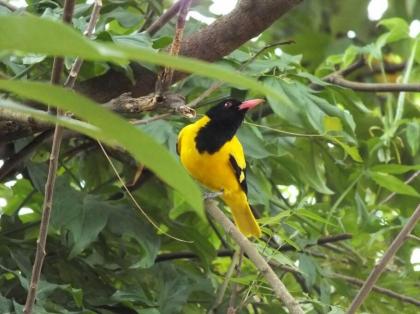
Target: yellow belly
{"x": 212, "y": 170}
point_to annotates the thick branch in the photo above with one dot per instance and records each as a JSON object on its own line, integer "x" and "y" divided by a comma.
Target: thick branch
{"x": 278, "y": 287}
{"x": 380, "y": 267}
{"x": 11, "y": 7}
{"x": 224, "y": 34}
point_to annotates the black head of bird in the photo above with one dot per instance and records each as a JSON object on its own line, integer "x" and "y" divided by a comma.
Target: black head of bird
{"x": 224, "y": 120}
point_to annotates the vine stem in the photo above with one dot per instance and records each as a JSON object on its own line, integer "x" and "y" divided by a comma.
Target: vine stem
{"x": 380, "y": 267}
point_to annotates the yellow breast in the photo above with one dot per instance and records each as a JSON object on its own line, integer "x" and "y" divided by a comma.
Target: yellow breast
{"x": 212, "y": 170}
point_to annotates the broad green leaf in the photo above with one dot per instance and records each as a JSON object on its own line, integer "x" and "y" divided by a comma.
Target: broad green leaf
{"x": 111, "y": 129}
{"x": 33, "y": 34}
{"x": 394, "y": 168}
{"x": 398, "y": 29}
{"x": 393, "y": 184}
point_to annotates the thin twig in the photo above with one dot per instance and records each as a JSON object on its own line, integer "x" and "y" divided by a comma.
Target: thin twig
{"x": 390, "y": 196}
{"x": 75, "y": 69}
{"x": 380, "y": 267}
{"x": 216, "y": 85}
{"x": 23, "y": 154}
{"x": 222, "y": 289}
{"x": 278, "y": 287}
{"x": 164, "y": 18}
{"x": 49, "y": 186}
{"x": 235, "y": 287}
{"x": 373, "y": 87}
{"x": 165, "y": 79}
{"x": 227, "y": 252}
{"x": 413, "y": 237}
{"x": 388, "y": 292}
{"x": 58, "y": 63}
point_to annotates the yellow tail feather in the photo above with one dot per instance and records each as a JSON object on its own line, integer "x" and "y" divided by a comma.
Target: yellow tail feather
{"x": 242, "y": 214}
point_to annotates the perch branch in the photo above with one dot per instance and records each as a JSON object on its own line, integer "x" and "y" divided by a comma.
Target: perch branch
{"x": 278, "y": 287}
{"x": 52, "y": 174}
{"x": 380, "y": 267}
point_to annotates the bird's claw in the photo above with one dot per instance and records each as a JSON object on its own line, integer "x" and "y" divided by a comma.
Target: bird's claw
{"x": 211, "y": 195}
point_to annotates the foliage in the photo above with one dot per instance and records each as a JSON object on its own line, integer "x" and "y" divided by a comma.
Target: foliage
{"x": 320, "y": 162}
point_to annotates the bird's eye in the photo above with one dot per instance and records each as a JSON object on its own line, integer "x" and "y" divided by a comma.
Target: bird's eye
{"x": 228, "y": 104}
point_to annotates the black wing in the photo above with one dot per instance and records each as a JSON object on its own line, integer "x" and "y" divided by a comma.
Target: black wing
{"x": 240, "y": 173}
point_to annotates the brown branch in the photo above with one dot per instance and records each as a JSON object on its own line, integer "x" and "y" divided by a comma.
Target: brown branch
{"x": 11, "y": 7}
{"x": 260, "y": 263}
{"x": 52, "y": 170}
{"x": 380, "y": 267}
{"x": 373, "y": 87}
{"x": 164, "y": 18}
{"x": 385, "y": 291}
{"x": 224, "y": 35}
{"x": 165, "y": 78}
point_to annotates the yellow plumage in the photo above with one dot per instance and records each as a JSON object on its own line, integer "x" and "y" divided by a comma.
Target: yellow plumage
{"x": 215, "y": 171}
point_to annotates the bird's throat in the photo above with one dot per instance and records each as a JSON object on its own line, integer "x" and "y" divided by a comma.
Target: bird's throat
{"x": 214, "y": 134}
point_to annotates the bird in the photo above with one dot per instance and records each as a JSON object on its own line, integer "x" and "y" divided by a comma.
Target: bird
{"x": 213, "y": 155}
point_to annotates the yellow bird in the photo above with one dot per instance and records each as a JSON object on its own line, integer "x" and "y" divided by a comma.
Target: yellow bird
{"x": 213, "y": 155}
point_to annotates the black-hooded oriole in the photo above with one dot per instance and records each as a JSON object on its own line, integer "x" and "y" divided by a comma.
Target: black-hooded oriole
{"x": 213, "y": 155}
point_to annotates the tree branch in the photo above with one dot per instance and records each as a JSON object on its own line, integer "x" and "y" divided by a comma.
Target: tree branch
{"x": 388, "y": 292}
{"x": 380, "y": 267}
{"x": 372, "y": 87}
{"x": 52, "y": 171}
{"x": 224, "y": 35}
{"x": 278, "y": 287}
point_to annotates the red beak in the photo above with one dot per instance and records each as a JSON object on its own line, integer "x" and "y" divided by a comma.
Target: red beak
{"x": 251, "y": 103}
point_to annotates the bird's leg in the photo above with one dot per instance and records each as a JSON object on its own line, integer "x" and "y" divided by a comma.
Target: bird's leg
{"x": 211, "y": 195}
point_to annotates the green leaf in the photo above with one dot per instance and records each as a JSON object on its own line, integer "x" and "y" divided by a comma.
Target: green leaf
{"x": 393, "y": 184}
{"x": 398, "y": 29}
{"x": 412, "y": 133}
{"x": 29, "y": 36}
{"x": 394, "y": 168}
{"x": 351, "y": 150}
{"x": 332, "y": 124}
{"x": 110, "y": 129}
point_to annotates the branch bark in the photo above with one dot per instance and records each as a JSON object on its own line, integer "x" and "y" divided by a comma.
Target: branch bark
{"x": 278, "y": 287}
{"x": 380, "y": 267}
{"x": 227, "y": 33}
{"x": 52, "y": 169}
